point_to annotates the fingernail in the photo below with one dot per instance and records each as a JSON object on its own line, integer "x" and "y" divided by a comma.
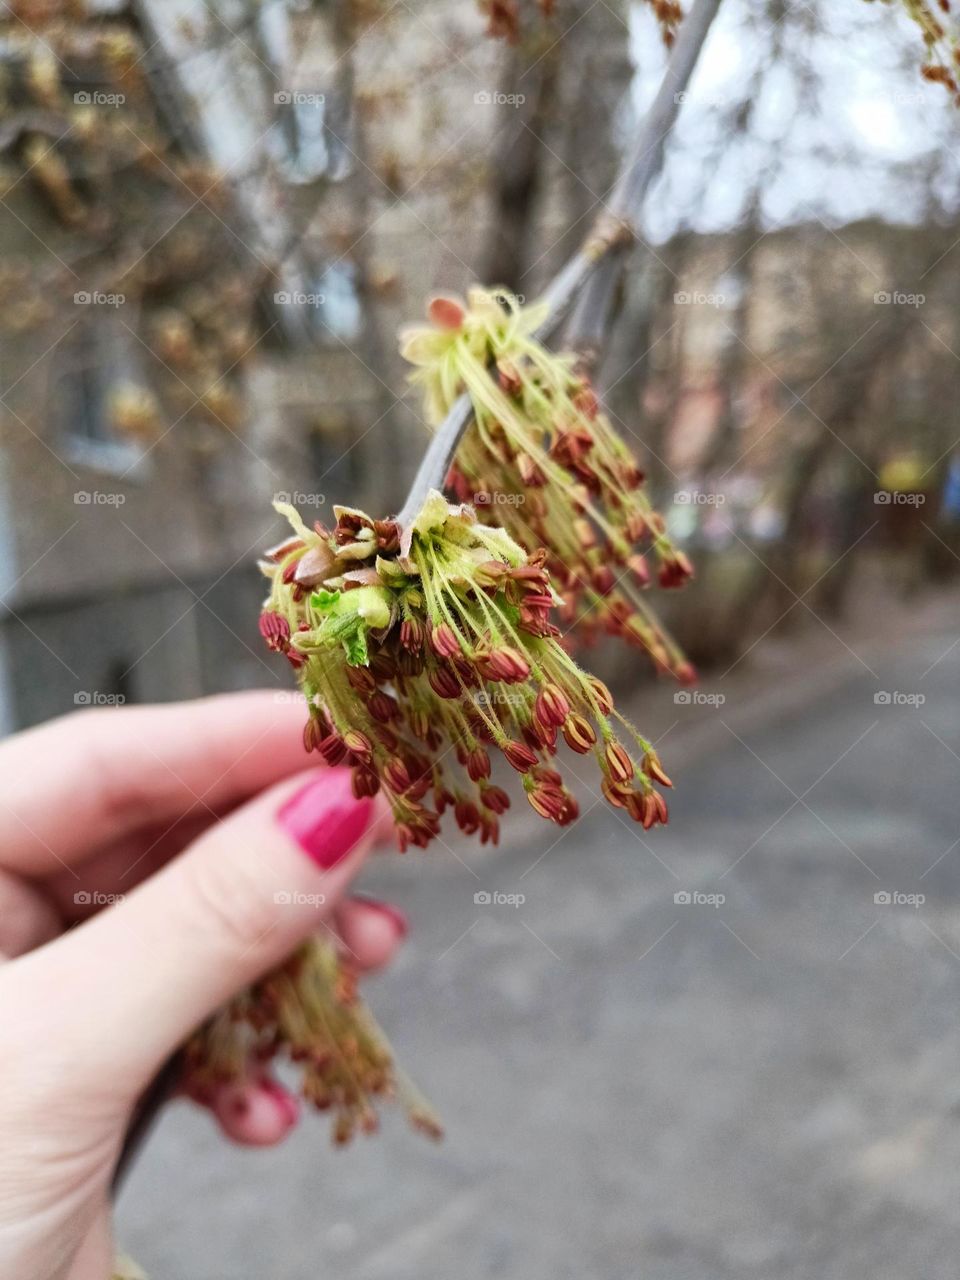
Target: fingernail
{"x": 394, "y": 914}
{"x": 325, "y": 818}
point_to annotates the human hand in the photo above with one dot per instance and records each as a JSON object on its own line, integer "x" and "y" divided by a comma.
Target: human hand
{"x": 196, "y": 828}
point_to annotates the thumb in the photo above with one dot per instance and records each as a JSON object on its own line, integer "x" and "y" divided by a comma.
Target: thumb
{"x": 124, "y": 989}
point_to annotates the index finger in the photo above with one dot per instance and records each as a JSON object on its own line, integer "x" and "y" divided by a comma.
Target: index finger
{"x": 69, "y": 785}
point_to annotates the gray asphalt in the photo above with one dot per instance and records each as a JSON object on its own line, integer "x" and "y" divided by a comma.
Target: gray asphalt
{"x": 635, "y": 1086}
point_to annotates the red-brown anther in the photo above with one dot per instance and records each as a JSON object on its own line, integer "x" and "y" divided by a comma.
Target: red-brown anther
{"x": 411, "y": 634}
{"x": 388, "y": 535}
{"x": 444, "y": 642}
{"x": 382, "y": 665}
{"x": 585, "y": 400}
{"x": 578, "y": 734}
{"x": 388, "y": 739}
{"x": 295, "y": 658}
{"x": 489, "y": 829}
{"x": 675, "y": 572}
{"x": 661, "y": 807}
{"x": 654, "y": 769}
{"x": 444, "y": 683}
{"x": 602, "y": 579}
{"x": 509, "y": 377}
{"x": 362, "y": 680}
{"x": 477, "y": 764}
{"x": 404, "y": 835}
{"x": 445, "y": 313}
{"x": 585, "y": 533}
{"x": 635, "y": 527}
{"x": 519, "y": 756}
{"x": 638, "y": 566}
{"x": 618, "y": 762}
{"x": 546, "y": 802}
{"x": 686, "y": 673}
{"x": 570, "y": 811}
{"x": 333, "y": 749}
{"x": 508, "y": 665}
{"x": 419, "y": 722}
{"x": 536, "y": 623}
{"x": 289, "y": 572}
{"x": 396, "y": 776}
{"x": 383, "y": 708}
{"x": 275, "y": 629}
{"x": 283, "y": 549}
{"x": 540, "y": 737}
{"x": 614, "y": 794}
{"x": 602, "y": 694}
{"x": 467, "y": 816}
{"x": 495, "y": 799}
{"x": 631, "y": 476}
{"x": 530, "y": 472}
{"x": 491, "y": 573}
{"x": 313, "y": 734}
{"x": 364, "y": 782}
{"x": 359, "y": 745}
{"x": 552, "y": 706}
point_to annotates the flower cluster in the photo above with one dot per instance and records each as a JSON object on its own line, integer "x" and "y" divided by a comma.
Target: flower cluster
{"x": 421, "y": 651}
{"x": 544, "y": 461}
{"x": 307, "y": 1010}
{"x": 941, "y": 41}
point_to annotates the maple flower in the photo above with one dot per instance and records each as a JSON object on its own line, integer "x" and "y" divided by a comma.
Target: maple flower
{"x": 401, "y": 641}
{"x": 544, "y": 462}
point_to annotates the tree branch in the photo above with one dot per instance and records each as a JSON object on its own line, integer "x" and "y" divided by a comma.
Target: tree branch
{"x": 613, "y": 232}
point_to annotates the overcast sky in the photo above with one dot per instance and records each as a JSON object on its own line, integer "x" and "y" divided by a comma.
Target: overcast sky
{"x": 857, "y": 145}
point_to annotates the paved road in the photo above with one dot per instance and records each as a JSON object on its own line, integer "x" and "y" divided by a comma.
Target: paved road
{"x": 640, "y": 1087}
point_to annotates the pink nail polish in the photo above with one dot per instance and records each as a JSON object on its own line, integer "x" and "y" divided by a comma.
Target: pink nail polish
{"x": 325, "y": 818}
{"x": 393, "y": 914}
